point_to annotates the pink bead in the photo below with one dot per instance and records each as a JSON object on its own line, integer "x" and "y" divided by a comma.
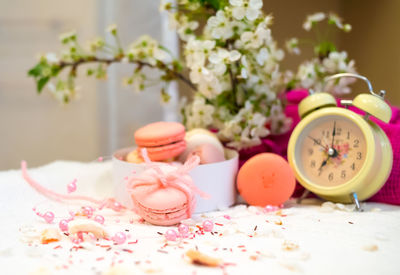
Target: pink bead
{"x": 271, "y": 208}
{"x": 71, "y": 187}
{"x": 87, "y": 211}
{"x": 208, "y": 225}
{"x": 117, "y": 206}
{"x": 99, "y": 219}
{"x": 100, "y": 159}
{"x": 183, "y": 230}
{"x": 48, "y": 216}
{"x": 171, "y": 235}
{"x": 119, "y": 238}
{"x": 63, "y": 224}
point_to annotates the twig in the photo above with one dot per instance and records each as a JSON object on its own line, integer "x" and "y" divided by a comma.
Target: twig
{"x": 109, "y": 61}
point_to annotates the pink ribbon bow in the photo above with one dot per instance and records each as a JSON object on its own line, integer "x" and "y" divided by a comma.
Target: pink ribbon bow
{"x": 176, "y": 178}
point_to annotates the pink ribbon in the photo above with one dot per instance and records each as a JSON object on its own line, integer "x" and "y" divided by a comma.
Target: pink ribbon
{"x": 175, "y": 178}
{"x": 108, "y": 202}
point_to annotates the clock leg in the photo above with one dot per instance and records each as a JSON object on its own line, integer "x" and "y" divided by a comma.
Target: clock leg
{"x": 303, "y": 196}
{"x": 354, "y": 197}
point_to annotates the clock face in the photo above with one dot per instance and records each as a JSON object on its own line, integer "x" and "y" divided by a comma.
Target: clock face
{"x": 331, "y": 150}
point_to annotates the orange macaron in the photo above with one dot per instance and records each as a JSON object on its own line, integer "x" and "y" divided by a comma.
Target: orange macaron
{"x": 163, "y": 140}
{"x": 266, "y": 179}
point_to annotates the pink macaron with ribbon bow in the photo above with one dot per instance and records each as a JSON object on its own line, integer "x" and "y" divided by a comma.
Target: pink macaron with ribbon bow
{"x": 164, "y": 194}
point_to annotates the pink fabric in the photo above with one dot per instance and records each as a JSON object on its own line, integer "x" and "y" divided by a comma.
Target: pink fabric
{"x": 390, "y": 192}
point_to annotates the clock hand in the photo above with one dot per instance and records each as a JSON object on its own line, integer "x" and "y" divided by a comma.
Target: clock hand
{"x": 333, "y": 133}
{"x": 325, "y": 162}
{"x": 317, "y": 142}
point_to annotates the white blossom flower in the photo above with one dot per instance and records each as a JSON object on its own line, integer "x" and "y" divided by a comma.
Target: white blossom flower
{"x": 262, "y": 56}
{"x": 219, "y": 26}
{"x": 237, "y": 3}
{"x": 307, "y": 74}
{"x": 223, "y": 55}
{"x": 336, "y": 62}
{"x": 292, "y": 45}
{"x": 165, "y": 5}
{"x": 186, "y": 29}
{"x": 138, "y": 81}
{"x": 52, "y": 58}
{"x": 162, "y": 55}
{"x": 68, "y": 36}
{"x": 173, "y": 21}
{"x": 96, "y": 44}
{"x": 243, "y": 73}
{"x": 255, "y": 40}
{"x": 268, "y": 20}
{"x": 312, "y": 19}
{"x": 210, "y": 88}
{"x": 347, "y": 27}
{"x": 201, "y": 113}
{"x": 61, "y": 92}
{"x": 112, "y": 29}
{"x": 196, "y": 50}
{"x": 197, "y": 73}
{"x": 338, "y": 22}
{"x": 249, "y": 9}
{"x": 279, "y": 122}
{"x": 311, "y": 73}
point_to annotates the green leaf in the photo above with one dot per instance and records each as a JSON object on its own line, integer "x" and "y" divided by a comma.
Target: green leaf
{"x": 41, "y": 83}
{"x": 165, "y": 96}
{"x": 324, "y": 49}
{"x": 216, "y": 4}
{"x": 35, "y": 71}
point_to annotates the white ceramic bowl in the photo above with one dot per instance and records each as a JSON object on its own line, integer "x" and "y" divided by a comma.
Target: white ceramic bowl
{"x": 216, "y": 179}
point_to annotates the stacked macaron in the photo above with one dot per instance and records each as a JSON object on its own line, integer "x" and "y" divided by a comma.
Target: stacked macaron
{"x": 162, "y": 205}
{"x": 162, "y": 140}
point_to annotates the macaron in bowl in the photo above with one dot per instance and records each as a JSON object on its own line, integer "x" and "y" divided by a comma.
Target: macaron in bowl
{"x": 204, "y": 144}
{"x": 163, "y": 140}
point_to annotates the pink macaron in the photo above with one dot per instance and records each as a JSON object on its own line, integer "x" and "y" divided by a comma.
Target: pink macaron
{"x": 163, "y": 140}
{"x": 208, "y": 153}
{"x": 161, "y": 205}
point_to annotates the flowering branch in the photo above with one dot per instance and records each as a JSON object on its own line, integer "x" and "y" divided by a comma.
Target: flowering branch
{"x": 140, "y": 64}
{"x": 145, "y": 52}
{"x": 232, "y": 60}
{"x": 327, "y": 61}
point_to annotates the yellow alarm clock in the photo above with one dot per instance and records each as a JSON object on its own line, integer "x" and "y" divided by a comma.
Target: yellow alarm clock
{"x": 338, "y": 154}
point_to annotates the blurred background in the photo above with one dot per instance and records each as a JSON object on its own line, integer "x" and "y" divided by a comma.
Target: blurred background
{"x": 40, "y": 130}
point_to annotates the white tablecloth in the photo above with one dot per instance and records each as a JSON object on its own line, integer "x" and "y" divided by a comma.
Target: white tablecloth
{"x": 301, "y": 239}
